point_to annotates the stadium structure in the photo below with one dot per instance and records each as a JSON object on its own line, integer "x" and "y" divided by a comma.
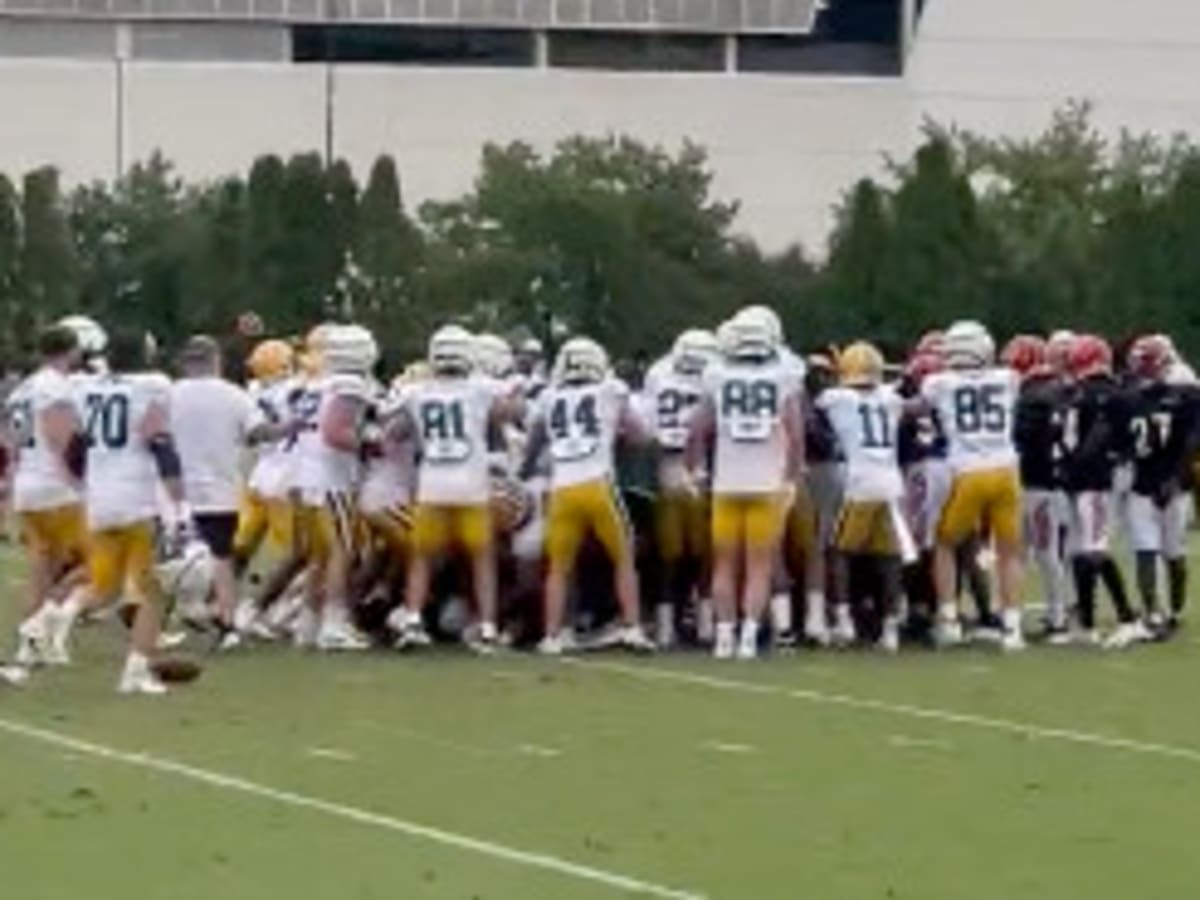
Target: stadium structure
{"x": 794, "y": 99}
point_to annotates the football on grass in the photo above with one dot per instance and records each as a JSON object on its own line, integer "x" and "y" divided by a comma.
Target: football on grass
{"x": 174, "y": 670}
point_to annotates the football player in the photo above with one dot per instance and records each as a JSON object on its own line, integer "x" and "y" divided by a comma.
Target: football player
{"x": 328, "y": 466}
{"x": 578, "y": 419}
{"x": 671, "y": 396}
{"x": 451, "y": 414}
{"x": 1037, "y": 435}
{"x": 42, "y": 420}
{"x": 127, "y": 452}
{"x": 1094, "y": 437}
{"x": 871, "y": 533}
{"x": 974, "y": 401}
{"x": 751, "y": 417}
{"x": 267, "y": 512}
{"x": 1163, "y": 431}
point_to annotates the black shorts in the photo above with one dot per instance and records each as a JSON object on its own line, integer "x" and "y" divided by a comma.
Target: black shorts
{"x": 217, "y": 529}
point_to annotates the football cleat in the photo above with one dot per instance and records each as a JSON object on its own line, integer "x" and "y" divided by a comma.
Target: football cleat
{"x": 1012, "y": 642}
{"x": 1126, "y": 634}
{"x": 14, "y": 676}
{"x": 724, "y": 645}
{"x": 632, "y": 637}
{"x": 889, "y": 638}
{"x": 143, "y": 683}
{"x": 949, "y": 633}
{"x": 747, "y": 647}
{"x": 551, "y": 645}
{"x": 304, "y": 631}
{"x": 844, "y": 634}
{"x": 32, "y": 643}
{"x": 341, "y": 637}
{"x": 411, "y": 636}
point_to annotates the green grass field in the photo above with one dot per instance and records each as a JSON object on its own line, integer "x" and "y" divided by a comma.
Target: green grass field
{"x": 1053, "y": 775}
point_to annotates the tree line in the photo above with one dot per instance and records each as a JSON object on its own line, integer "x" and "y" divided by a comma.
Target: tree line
{"x": 622, "y": 241}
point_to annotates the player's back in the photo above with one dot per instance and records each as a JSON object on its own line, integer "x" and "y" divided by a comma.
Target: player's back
{"x": 671, "y": 400}
{"x": 1163, "y": 420}
{"x": 582, "y": 425}
{"x": 749, "y": 404}
{"x": 121, "y": 477}
{"x": 209, "y": 420}
{"x": 1095, "y": 434}
{"x": 975, "y": 410}
{"x": 451, "y": 417}
{"x": 1037, "y": 431}
{"x": 40, "y": 480}
{"x": 866, "y": 422}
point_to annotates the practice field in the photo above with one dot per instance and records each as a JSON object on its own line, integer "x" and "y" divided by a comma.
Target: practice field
{"x": 1055, "y": 775}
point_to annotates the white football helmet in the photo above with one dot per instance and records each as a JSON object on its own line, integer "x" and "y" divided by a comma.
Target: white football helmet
{"x": 765, "y": 318}
{"x": 451, "y": 351}
{"x": 693, "y": 350}
{"x": 580, "y": 361}
{"x": 748, "y": 337}
{"x": 968, "y": 345}
{"x": 91, "y": 337}
{"x": 494, "y": 356}
{"x": 349, "y": 349}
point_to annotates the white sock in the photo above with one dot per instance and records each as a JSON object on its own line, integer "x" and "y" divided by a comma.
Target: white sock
{"x": 814, "y": 603}
{"x": 948, "y": 612}
{"x": 704, "y": 619}
{"x": 781, "y": 612}
{"x": 665, "y": 623}
{"x": 1012, "y": 620}
{"x": 724, "y": 632}
{"x": 487, "y": 631}
{"x": 750, "y": 632}
{"x": 842, "y": 613}
{"x": 36, "y": 621}
{"x": 136, "y": 663}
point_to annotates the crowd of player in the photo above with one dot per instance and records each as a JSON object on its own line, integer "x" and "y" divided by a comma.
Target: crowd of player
{"x": 737, "y": 487}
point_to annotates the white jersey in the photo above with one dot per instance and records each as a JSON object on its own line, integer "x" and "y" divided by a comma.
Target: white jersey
{"x": 669, "y": 401}
{"x": 866, "y": 423}
{"x": 389, "y": 479}
{"x": 41, "y": 479}
{"x": 122, "y": 480}
{"x": 975, "y": 410}
{"x": 210, "y": 419}
{"x": 322, "y": 470}
{"x": 271, "y": 476}
{"x": 582, "y": 425}
{"x": 751, "y": 443}
{"x": 451, "y": 418}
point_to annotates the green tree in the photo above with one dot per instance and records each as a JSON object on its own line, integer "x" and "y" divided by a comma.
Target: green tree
{"x": 10, "y": 251}
{"x": 47, "y": 261}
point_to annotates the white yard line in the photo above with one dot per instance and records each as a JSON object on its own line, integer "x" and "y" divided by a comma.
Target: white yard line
{"x": 1027, "y": 729}
{"x": 332, "y": 753}
{"x": 727, "y": 747}
{"x": 232, "y": 783}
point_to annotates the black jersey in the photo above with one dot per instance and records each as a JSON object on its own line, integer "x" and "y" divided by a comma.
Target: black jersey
{"x": 919, "y": 438}
{"x": 1163, "y": 421}
{"x": 1037, "y": 431}
{"x": 1094, "y": 434}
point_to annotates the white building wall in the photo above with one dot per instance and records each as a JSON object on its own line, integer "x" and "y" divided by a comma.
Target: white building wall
{"x": 785, "y": 147}
{"x": 1002, "y": 67}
